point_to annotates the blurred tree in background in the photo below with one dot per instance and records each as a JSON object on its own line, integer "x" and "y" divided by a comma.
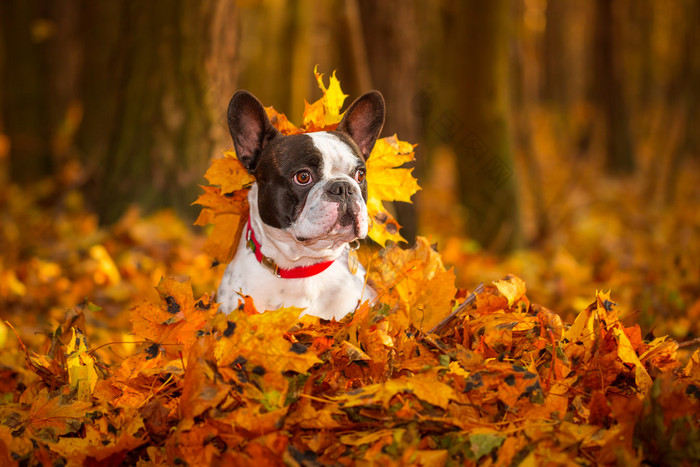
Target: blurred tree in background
{"x": 131, "y": 89}
{"x": 128, "y": 97}
{"x": 472, "y": 115}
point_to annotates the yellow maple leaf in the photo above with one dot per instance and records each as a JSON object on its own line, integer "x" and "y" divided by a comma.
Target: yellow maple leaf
{"x": 81, "y": 366}
{"x": 176, "y": 319}
{"x": 256, "y": 344}
{"x": 223, "y": 238}
{"x": 94, "y": 445}
{"x": 692, "y": 369}
{"x": 383, "y": 227}
{"x": 227, "y": 214}
{"x": 583, "y": 330}
{"x": 200, "y": 393}
{"x": 424, "y": 386}
{"x": 628, "y": 355}
{"x": 587, "y": 331}
{"x": 281, "y": 122}
{"x": 225, "y": 205}
{"x": 309, "y": 417}
{"x": 415, "y": 281}
{"x": 390, "y": 152}
{"x": 324, "y": 112}
{"x": 511, "y": 287}
{"x": 387, "y": 182}
{"x": 228, "y": 173}
{"x": 54, "y": 412}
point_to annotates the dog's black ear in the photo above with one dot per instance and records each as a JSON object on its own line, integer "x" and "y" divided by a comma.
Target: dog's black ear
{"x": 364, "y": 120}
{"x": 250, "y": 128}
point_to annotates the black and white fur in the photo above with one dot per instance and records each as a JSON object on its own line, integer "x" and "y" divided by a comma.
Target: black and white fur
{"x": 300, "y": 224}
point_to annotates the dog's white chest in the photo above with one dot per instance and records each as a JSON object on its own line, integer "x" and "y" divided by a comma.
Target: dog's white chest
{"x": 330, "y": 294}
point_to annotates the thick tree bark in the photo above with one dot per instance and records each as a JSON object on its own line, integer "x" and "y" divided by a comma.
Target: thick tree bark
{"x": 153, "y": 102}
{"x": 144, "y": 84}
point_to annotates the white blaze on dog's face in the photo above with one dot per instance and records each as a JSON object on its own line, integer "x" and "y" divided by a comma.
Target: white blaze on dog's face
{"x": 335, "y": 209}
{"x": 310, "y": 185}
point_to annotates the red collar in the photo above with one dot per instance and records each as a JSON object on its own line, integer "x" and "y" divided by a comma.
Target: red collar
{"x": 294, "y": 273}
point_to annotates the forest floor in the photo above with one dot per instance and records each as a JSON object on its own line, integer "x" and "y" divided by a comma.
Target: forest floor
{"x": 112, "y": 350}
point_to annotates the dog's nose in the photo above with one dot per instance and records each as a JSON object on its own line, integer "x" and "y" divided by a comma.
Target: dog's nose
{"x": 342, "y": 189}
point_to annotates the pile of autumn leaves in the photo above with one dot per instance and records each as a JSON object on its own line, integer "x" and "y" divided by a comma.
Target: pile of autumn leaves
{"x": 425, "y": 375}
{"x": 504, "y": 381}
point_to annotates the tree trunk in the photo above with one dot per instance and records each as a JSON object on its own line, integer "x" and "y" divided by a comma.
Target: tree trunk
{"x": 24, "y": 94}
{"x": 556, "y": 55}
{"x": 524, "y": 99}
{"x": 151, "y": 81}
{"x": 152, "y": 98}
{"x": 608, "y": 90}
{"x": 685, "y": 97}
{"x": 474, "y": 118}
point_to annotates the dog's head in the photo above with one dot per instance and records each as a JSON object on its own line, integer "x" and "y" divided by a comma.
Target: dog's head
{"x": 311, "y": 185}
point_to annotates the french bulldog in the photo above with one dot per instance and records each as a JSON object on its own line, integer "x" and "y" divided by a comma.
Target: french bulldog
{"x": 308, "y": 208}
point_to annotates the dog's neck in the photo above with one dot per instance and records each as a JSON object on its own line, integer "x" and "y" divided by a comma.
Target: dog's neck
{"x": 281, "y": 246}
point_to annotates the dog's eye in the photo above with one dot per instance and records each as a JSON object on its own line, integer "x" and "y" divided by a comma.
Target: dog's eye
{"x": 360, "y": 175}
{"x": 303, "y": 177}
